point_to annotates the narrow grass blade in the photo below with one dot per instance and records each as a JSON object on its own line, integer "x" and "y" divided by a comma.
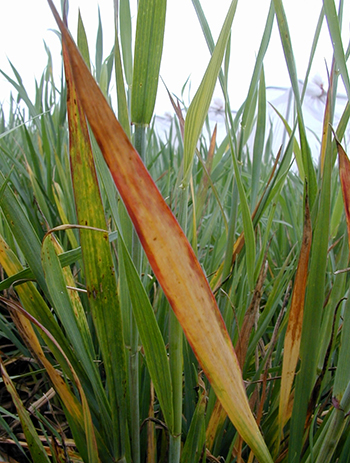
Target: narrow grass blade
{"x": 258, "y": 140}
{"x": 295, "y": 322}
{"x": 196, "y": 435}
{"x": 147, "y": 58}
{"x": 35, "y": 446}
{"x": 334, "y": 30}
{"x": 328, "y": 114}
{"x": 82, "y": 41}
{"x": 290, "y": 60}
{"x": 197, "y": 112}
{"x": 296, "y": 148}
{"x": 151, "y": 337}
{"x": 169, "y": 254}
{"x": 99, "y": 48}
{"x": 258, "y": 67}
{"x": 313, "y": 50}
{"x": 249, "y": 237}
{"x": 204, "y": 25}
{"x": 123, "y": 114}
{"x": 211, "y": 45}
{"x": 126, "y": 39}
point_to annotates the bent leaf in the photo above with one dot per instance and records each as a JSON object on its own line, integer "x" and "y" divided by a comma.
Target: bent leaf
{"x": 169, "y": 253}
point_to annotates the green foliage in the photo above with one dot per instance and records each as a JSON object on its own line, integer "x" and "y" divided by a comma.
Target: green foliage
{"x": 82, "y": 307}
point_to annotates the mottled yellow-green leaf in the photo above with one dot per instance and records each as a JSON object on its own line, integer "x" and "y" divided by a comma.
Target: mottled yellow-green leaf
{"x": 99, "y": 271}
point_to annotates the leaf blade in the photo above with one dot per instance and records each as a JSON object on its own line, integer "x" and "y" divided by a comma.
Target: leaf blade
{"x": 98, "y": 264}
{"x": 293, "y": 333}
{"x": 334, "y": 31}
{"x": 199, "y": 106}
{"x": 148, "y": 53}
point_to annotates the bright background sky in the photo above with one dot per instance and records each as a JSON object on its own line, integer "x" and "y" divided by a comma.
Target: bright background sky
{"x": 26, "y": 25}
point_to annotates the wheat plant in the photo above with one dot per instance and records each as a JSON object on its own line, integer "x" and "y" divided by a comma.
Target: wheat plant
{"x": 178, "y": 299}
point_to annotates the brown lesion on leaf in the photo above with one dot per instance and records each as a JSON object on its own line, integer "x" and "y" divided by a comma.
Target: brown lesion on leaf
{"x": 91, "y": 292}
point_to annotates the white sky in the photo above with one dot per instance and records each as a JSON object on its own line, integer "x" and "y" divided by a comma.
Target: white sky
{"x": 26, "y": 24}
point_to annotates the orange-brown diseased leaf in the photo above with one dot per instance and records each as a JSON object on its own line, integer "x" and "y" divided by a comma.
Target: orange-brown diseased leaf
{"x": 169, "y": 253}
{"x": 295, "y": 322}
{"x": 344, "y": 173}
